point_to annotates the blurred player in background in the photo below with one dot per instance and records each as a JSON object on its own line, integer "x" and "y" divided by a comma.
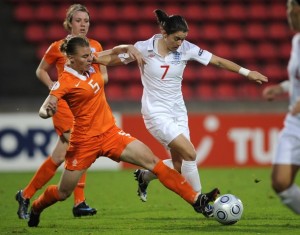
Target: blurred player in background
{"x": 77, "y": 22}
{"x": 95, "y": 133}
{"x": 286, "y": 161}
{"x": 163, "y": 107}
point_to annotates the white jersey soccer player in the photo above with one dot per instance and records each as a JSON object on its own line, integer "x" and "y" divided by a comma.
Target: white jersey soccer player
{"x": 162, "y": 79}
{"x": 287, "y": 152}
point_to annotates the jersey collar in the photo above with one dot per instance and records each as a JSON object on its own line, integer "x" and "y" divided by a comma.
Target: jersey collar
{"x": 75, "y": 73}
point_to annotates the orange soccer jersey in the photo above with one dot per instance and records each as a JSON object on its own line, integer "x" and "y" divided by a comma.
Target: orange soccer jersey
{"x": 63, "y": 119}
{"x": 94, "y": 131}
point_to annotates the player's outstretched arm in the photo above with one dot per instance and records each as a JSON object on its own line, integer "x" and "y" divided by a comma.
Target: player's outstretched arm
{"x": 231, "y": 66}
{"x": 119, "y": 55}
{"x": 49, "y": 107}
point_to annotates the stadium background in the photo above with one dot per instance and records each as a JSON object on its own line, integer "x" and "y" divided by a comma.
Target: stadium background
{"x": 253, "y": 33}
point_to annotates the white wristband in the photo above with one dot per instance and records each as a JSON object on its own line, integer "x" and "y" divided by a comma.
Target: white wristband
{"x": 244, "y": 72}
{"x": 285, "y": 85}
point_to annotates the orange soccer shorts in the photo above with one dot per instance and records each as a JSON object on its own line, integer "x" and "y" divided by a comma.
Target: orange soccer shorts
{"x": 63, "y": 118}
{"x": 110, "y": 144}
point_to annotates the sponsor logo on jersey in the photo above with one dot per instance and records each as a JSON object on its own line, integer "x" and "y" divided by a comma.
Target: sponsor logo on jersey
{"x": 92, "y": 69}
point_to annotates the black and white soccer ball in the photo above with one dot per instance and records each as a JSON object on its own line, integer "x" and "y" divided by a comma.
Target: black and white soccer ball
{"x": 228, "y": 209}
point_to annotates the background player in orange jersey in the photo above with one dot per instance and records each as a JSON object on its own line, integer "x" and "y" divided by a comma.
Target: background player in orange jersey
{"x": 95, "y": 133}
{"x": 77, "y": 22}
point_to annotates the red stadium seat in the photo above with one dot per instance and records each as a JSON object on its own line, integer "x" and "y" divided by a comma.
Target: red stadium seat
{"x": 114, "y": 92}
{"x": 187, "y": 92}
{"x": 129, "y": 12}
{"x": 42, "y": 48}
{"x": 205, "y": 92}
{"x": 147, "y": 11}
{"x": 278, "y": 31}
{"x": 258, "y": 11}
{"x": 108, "y": 12}
{"x": 56, "y": 32}
{"x": 244, "y": 51}
{"x": 225, "y": 91}
{"x": 145, "y": 31}
{"x": 215, "y": 12}
{"x": 194, "y": 12}
{"x": 194, "y": 32}
{"x": 173, "y": 9}
{"x": 208, "y": 73}
{"x": 277, "y": 11}
{"x": 35, "y": 33}
{"x": 223, "y": 49}
{"x": 24, "y": 12}
{"x": 45, "y": 12}
{"x": 100, "y": 32}
{"x": 233, "y": 32}
{"x": 267, "y": 51}
{"x": 189, "y": 74}
{"x": 256, "y": 31}
{"x": 134, "y": 92}
{"x": 237, "y": 12}
{"x": 124, "y": 33}
{"x": 284, "y": 50}
{"x": 275, "y": 72}
{"x": 211, "y": 32}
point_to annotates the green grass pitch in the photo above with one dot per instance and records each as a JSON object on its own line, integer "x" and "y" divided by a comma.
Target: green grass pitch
{"x": 120, "y": 211}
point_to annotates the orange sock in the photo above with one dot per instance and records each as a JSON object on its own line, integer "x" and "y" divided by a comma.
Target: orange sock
{"x": 41, "y": 177}
{"x": 79, "y": 190}
{"x": 48, "y": 198}
{"x": 174, "y": 181}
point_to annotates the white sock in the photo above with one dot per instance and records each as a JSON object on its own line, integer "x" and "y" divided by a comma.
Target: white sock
{"x": 148, "y": 175}
{"x": 291, "y": 198}
{"x": 189, "y": 171}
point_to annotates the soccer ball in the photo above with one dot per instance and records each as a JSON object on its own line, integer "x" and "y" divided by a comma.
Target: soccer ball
{"x": 228, "y": 209}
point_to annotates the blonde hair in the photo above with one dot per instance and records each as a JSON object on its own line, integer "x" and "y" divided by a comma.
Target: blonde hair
{"x": 70, "y": 12}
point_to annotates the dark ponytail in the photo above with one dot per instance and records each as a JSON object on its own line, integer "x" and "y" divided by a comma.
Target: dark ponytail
{"x": 171, "y": 24}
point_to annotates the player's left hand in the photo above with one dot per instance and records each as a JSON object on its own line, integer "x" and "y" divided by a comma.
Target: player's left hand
{"x": 257, "y": 77}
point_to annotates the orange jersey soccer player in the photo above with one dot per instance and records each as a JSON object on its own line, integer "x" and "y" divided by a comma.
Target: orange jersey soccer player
{"x": 77, "y": 22}
{"x": 95, "y": 133}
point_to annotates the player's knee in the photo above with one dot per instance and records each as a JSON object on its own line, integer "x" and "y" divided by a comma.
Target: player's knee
{"x": 280, "y": 185}
{"x": 189, "y": 156}
{"x": 63, "y": 194}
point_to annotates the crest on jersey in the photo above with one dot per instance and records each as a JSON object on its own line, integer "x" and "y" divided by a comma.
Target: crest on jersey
{"x": 55, "y": 86}
{"x": 176, "y": 56}
{"x": 92, "y": 69}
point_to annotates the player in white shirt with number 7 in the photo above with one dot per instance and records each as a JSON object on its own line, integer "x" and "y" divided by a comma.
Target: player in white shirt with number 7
{"x": 163, "y": 107}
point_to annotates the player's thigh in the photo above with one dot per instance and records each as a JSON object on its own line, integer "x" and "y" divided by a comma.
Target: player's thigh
{"x": 139, "y": 154}
{"x": 59, "y": 151}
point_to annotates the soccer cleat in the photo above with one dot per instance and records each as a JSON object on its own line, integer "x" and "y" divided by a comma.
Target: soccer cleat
{"x": 142, "y": 185}
{"x": 83, "y": 209}
{"x": 34, "y": 219}
{"x": 203, "y": 200}
{"x": 208, "y": 211}
{"x": 23, "y": 205}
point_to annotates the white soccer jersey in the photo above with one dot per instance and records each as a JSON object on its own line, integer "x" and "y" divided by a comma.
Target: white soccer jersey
{"x": 288, "y": 148}
{"x": 294, "y": 78}
{"x": 162, "y": 76}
